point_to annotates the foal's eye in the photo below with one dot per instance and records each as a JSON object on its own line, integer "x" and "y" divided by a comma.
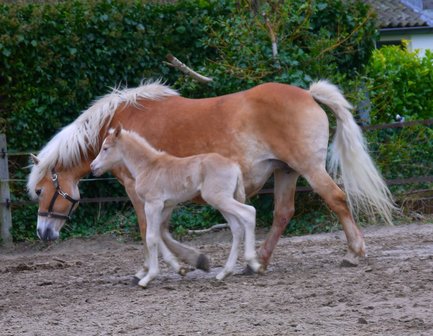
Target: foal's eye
{"x": 105, "y": 149}
{"x": 38, "y": 192}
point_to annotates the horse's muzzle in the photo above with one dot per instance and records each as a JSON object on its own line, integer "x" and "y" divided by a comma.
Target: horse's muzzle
{"x": 47, "y": 234}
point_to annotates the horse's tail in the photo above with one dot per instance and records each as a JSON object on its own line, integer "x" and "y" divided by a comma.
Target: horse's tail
{"x": 365, "y": 188}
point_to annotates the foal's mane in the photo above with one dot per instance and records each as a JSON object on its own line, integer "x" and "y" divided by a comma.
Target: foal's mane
{"x": 137, "y": 138}
{"x": 74, "y": 142}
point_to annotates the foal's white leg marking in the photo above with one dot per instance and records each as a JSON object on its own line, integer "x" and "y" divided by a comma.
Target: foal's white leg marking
{"x": 153, "y": 212}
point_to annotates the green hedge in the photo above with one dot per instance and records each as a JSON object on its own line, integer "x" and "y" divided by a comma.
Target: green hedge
{"x": 55, "y": 58}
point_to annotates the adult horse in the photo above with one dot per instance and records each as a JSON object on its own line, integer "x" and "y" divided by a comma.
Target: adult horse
{"x": 269, "y": 129}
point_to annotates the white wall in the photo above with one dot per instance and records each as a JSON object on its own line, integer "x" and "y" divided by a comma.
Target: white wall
{"x": 422, "y": 42}
{"x": 416, "y": 41}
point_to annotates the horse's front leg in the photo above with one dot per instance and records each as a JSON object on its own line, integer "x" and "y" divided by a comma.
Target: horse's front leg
{"x": 154, "y": 216}
{"x": 168, "y": 257}
{"x": 284, "y": 199}
{"x": 125, "y": 178}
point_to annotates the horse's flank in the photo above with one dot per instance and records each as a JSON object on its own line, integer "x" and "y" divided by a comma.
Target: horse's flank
{"x": 74, "y": 142}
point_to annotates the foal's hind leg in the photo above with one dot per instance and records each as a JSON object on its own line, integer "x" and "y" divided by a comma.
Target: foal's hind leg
{"x": 241, "y": 218}
{"x": 323, "y": 184}
{"x": 237, "y": 231}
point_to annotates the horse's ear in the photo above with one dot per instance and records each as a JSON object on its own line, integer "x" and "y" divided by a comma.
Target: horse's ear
{"x": 117, "y": 130}
{"x": 34, "y": 159}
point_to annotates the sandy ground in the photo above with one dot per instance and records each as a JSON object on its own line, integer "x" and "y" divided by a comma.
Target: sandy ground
{"x": 83, "y": 287}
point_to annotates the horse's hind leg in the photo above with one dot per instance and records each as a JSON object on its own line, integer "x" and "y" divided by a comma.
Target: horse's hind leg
{"x": 284, "y": 196}
{"x": 323, "y": 184}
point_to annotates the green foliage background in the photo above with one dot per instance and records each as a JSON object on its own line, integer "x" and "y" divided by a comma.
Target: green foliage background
{"x": 56, "y": 57}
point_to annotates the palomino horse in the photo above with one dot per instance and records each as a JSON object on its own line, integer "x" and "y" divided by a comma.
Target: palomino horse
{"x": 162, "y": 181}
{"x": 270, "y": 129}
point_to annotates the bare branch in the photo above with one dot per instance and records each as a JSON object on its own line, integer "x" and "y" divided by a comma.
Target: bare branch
{"x": 174, "y": 62}
{"x": 212, "y": 228}
{"x": 273, "y": 37}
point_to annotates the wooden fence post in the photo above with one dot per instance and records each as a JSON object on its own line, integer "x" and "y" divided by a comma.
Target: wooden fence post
{"x": 5, "y": 197}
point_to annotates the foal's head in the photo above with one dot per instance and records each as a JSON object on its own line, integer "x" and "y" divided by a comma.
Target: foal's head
{"x": 110, "y": 154}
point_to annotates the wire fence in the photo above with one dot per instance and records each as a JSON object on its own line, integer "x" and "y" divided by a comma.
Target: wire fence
{"x": 423, "y": 178}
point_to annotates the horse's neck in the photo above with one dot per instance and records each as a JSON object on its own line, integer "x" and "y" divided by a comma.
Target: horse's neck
{"x": 78, "y": 171}
{"x": 138, "y": 155}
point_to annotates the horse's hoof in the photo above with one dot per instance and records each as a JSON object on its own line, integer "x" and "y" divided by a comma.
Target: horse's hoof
{"x": 261, "y": 270}
{"x": 248, "y": 270}
{"x": 135, "y": 280}
{"x": 203, "y": 263}
{"x": 349, "y": 261}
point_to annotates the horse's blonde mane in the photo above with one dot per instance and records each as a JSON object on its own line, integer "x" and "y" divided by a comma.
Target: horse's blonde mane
{"x": 73, "y": 142}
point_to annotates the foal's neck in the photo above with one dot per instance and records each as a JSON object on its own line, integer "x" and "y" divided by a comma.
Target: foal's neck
{"x": 137, "y": 153}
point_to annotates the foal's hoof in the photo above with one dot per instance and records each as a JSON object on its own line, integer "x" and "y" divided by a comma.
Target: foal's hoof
{"x": 135, "y": 280}
{"x": 203, "y": 263}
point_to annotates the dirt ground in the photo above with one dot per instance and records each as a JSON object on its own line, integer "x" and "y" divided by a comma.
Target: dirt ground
{"x": 83, "y": 287}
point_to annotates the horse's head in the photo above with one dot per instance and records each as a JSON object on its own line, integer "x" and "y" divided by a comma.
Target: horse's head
{"x": 58, "y": 196}
{"x": 110, "y": 153}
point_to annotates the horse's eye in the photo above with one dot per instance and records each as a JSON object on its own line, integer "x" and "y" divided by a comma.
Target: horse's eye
{"x": 105, "y": 149}
{"x": 38, "y": 192}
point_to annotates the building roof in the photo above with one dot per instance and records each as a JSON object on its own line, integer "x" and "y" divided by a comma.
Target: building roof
{"x": 396, "y": 14}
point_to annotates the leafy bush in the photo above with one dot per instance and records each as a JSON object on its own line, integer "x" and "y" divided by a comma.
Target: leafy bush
{"x": 316, "y": 39}
{"x": 400, "y": 82}
{"x": 57, "y": 58}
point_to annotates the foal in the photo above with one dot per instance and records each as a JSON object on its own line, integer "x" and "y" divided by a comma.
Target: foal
{"x": 162, "y": 181}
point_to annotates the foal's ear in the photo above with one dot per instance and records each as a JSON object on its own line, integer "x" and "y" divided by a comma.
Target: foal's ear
{"x": 117, "y": 130}
{"x": 34, "y": 159}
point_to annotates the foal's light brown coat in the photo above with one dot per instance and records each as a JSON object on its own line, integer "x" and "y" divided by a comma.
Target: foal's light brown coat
{"x": 162, "y": 181}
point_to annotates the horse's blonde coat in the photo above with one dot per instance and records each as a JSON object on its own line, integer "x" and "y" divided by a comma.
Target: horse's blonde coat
{"x": 270, "y": 128}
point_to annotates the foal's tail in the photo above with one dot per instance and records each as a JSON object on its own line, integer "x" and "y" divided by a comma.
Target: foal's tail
{"x": 365, "y": 188}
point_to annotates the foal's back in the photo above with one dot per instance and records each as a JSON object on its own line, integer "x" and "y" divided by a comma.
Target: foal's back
{"x": 181, "y": 179}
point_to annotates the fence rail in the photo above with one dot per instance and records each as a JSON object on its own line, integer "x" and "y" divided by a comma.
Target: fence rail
{"x": 6, "y": 203}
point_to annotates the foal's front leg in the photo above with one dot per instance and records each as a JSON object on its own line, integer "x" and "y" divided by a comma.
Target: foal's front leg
{"x": 154, "y": 216}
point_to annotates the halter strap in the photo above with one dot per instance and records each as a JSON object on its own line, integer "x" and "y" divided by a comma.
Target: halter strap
{"x": 58, "y": 192}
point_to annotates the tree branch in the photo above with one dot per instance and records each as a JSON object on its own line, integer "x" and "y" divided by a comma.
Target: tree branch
{"x": 273, "y": 37}
{"x": 175, "y": 63}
